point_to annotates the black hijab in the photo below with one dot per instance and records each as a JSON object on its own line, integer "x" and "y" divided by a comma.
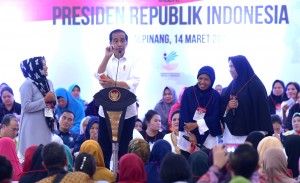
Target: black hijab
{"x": 292, "y": 149}
{"x": 273, "y": 99}
{"x": 252, "y": 113}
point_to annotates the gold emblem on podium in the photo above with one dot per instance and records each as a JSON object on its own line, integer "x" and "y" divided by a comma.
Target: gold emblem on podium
{"x": 114, "y": 95}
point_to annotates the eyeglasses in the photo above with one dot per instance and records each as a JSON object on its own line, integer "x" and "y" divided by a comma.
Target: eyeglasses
{"x": 16, "y": 130}
{"x": 296, "y": 114}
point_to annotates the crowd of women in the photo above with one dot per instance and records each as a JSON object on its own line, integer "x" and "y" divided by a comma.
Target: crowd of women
{"x": 177, "y": 136}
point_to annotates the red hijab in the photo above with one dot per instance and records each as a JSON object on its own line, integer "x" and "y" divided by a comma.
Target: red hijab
{"x": 8, "y": 149}
{"x": 132, "y": 169}
{"x": 28, "y": 158}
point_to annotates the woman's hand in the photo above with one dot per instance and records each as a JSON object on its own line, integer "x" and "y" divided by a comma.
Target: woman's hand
{"x": 50, "y": 97}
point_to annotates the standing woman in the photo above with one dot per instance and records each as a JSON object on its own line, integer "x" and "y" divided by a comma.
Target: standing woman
{"x": 199, "y": 110}
{"x": 276, "y": 97}
{"x": 244, "y": 105}
{"x": 9, "y": 106}
{"x": 38, "y": 101}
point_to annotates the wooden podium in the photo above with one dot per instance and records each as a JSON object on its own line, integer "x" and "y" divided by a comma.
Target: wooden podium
{"x": 114, "y": 101}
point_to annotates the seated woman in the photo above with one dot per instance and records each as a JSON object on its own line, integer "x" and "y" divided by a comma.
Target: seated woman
{"x": 160, "y": 149}
{"x": 276, "y": 171}
{"x": 67, "y": 101}
{"x": 163, "y": 107}
{"x": 294, "y": 109}
{"x": 172, "y": 137}
{"x": 8, "y": 149}
{"x": 92, "y": 147}
{"x": 131, "y": 169}
{"x": 33, "y": 170}
{"x": 276, "y": 96}
{"x": 9, "y": 105}
{"x": 295, "y": 124}
{"x": 152, "y": 133}
{"x": 290, "y": 99}
{"x": 90, "y": 133}
{"x": 74, "y": 89}
{"x": 86, "y": 163}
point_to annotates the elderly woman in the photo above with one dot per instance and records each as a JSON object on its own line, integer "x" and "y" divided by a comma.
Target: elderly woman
{"x": 199, "y": 110}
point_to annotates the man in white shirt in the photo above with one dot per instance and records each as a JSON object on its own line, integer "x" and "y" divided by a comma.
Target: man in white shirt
{"x": 117, "y": 69}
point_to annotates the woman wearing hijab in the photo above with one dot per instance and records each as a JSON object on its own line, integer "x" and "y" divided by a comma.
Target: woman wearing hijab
{"x": 33, "y": 170}
{"x": 199, "y": 164}
{"x": 9, "y": 105}
{"x": 8, "y": 149}
{"x": 169, "y": 98}
{"x": 265, "y": 144}
{"x": 199, "y": 110}
{"x": 37, "y": 101}
{"x": 75, "y": 90}
{"x": 276, "y": 171}
{"x": 292, "y": 150}
{"x": 93, "y": 148}
{"x": 131, "y": 169}
{"x": 81, "y": 138}
{"x": 67, "y": 101}
{"x": 244, "y": 105}
{"x": 254, "y": 138}
{"x": 276, "y": 97}
{"x": 159, "y": 151}
{"x": 91, "y": 132}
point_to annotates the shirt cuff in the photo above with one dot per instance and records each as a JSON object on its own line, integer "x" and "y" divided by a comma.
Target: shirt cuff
{"x": 202, "y": 127}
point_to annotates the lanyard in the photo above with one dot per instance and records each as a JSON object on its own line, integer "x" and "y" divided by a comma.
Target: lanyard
{"x": 273, "y": 100}
{"x": 243, "y": 86}
{"x": 198, "y": 101}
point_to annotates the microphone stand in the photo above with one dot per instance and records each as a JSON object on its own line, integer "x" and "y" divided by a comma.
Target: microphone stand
{"x": 115, "y": 145}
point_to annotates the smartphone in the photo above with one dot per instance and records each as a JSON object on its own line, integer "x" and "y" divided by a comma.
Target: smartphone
{"x": 230, "y": 148}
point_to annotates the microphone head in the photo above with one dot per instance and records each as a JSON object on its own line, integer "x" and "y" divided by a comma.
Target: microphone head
{"x": 120, "y": 51}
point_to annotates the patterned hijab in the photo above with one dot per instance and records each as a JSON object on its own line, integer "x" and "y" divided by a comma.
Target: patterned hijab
{"x": 32, "y": 69}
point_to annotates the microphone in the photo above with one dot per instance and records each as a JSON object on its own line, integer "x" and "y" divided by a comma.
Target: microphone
{"x": 119, "y": 56}
{"x": 233, "y": 110}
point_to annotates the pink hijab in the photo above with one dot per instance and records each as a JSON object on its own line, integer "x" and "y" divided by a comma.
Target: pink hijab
{"x": 8, "y": 149}
{"x": 275, "y": 166}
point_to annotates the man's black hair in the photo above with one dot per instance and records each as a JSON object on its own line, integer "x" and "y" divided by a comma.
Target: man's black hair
{"x": 244, "y": 161}
{"x": 7, "y": 118}
{"x": 54, "y": 156}
{"x": 116, "y": 31}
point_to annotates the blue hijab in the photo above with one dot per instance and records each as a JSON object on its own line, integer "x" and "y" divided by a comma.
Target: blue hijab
{"x": 71, "y": 89}
{"x": 159, "y": 150}
{"x": 73, "y": 105}
{"x": 92, "y": 120}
